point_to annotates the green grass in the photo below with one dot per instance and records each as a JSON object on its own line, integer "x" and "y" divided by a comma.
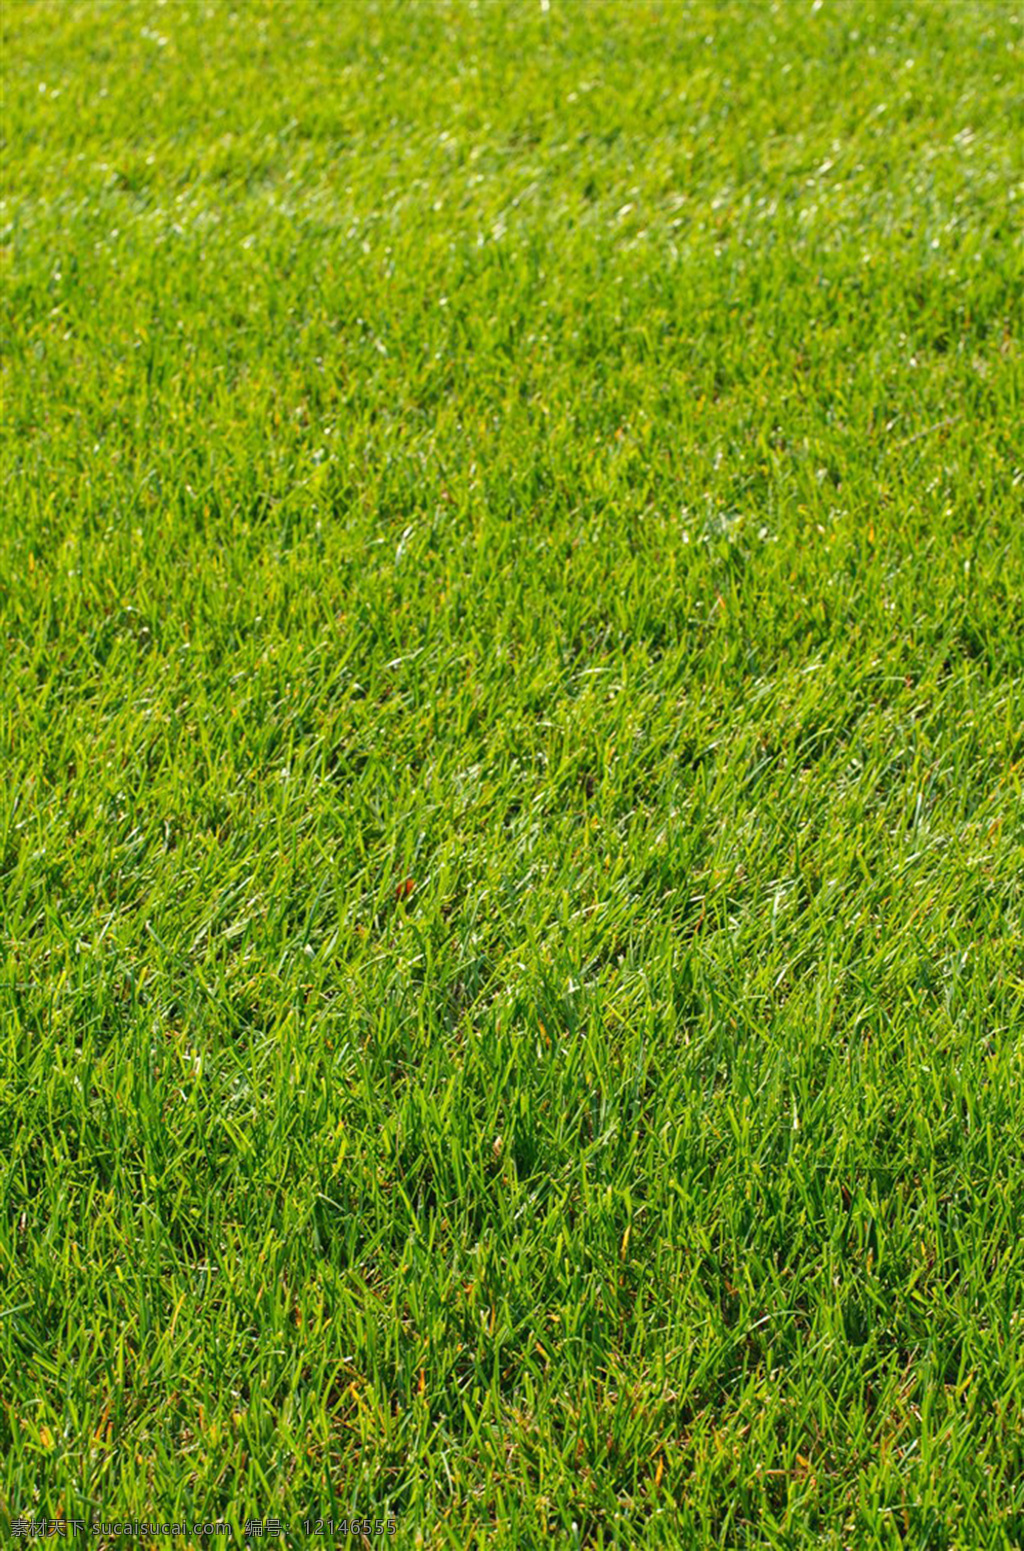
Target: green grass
{"x": 512, "y": 728}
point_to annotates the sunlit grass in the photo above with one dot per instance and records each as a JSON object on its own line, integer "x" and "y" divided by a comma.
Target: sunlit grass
{"x": 511, "y": 838}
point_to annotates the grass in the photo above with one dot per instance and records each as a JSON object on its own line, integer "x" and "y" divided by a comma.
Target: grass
{"x": 511, "y": 837}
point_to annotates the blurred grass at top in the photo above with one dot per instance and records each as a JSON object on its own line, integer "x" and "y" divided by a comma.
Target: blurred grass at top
{"x": 511, "y": 840}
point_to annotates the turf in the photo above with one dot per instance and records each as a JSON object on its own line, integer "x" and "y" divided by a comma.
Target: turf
{"x": 512, "y": 726}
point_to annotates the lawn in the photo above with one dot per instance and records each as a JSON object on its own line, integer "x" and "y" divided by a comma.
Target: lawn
{"x": 512, "y": 741}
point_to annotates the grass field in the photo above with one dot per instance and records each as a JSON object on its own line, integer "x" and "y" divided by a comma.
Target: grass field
{"x": 512, "y": 737}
